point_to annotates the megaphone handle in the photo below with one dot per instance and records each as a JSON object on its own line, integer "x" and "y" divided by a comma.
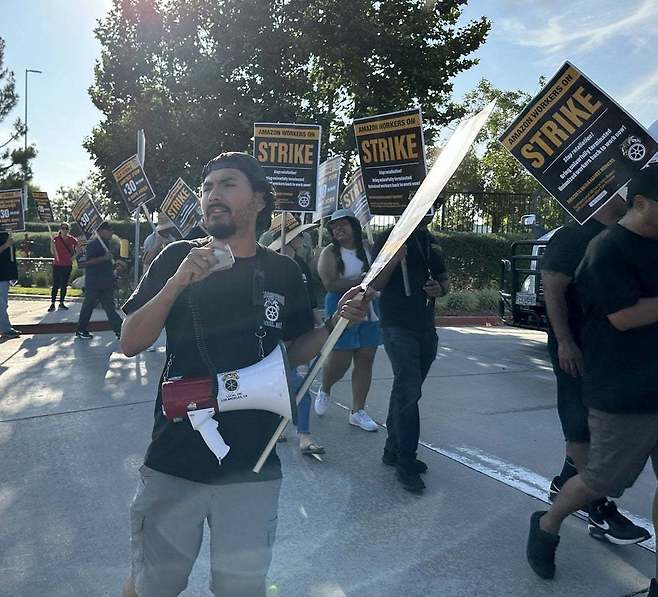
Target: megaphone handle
{"x": 339, "y": 328}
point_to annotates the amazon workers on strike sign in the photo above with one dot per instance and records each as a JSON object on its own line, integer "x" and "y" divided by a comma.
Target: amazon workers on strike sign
{"x": 578, "y": 143}
{"x": 290, "y": 156}
{"x": 392, "y": 156}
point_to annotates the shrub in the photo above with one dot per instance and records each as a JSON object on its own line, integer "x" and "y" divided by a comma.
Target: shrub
{"x": 473, "y": 260}
{"x": 461, "y": 301}
{"x": 41, "y": 280}
{"x": 488, "y": 299}
{"x": 123, "y": 229}
{"x": 25, "y": 279}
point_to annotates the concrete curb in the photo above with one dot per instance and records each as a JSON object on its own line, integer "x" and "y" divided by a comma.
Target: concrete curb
{"x": 42, "y": 297}
{"x": 65, "y": 327}
{"x": 446, "y": 321}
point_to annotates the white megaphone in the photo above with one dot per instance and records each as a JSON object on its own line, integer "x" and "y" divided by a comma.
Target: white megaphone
{"x": 262, "y": 386}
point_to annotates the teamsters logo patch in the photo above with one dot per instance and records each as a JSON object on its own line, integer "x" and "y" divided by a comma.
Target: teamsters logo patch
{"x": 231, "y": 381}
{"x": 273, "y": 307}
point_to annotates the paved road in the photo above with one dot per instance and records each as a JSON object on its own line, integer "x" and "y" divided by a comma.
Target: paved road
{"x": 75, "y": 419}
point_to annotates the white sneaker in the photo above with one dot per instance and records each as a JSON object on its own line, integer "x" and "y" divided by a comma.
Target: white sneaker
{"x": 321, "y": 404}
{"x": 362, "y": 419}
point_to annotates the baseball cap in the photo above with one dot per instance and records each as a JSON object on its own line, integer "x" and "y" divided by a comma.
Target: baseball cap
{"x": 342, "y": 213}
{"x": 252, "y": 169}
{"x": 644, "y": 183}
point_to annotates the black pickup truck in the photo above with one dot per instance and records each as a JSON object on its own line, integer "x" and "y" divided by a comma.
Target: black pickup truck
{"x": 521, "y": 291}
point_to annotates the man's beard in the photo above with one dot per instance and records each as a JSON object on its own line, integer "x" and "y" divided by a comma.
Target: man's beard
{"x": 221, "y": 230}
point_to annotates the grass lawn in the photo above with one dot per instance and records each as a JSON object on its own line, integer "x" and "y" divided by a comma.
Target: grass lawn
{"x": 39, "y": 291}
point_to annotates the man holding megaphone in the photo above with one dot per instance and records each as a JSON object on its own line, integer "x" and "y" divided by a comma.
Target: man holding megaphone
{"x": 228, "y": 305}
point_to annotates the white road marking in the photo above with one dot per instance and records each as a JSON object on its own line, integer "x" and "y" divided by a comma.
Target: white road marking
{"x": 517, "y": 477}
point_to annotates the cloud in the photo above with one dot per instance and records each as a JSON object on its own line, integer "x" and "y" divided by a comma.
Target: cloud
{"x": 645, "y": 93}
{"x": 575, "y": 33}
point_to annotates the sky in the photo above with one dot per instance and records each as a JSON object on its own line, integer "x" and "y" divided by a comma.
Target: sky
{"x": 612, "y": 42}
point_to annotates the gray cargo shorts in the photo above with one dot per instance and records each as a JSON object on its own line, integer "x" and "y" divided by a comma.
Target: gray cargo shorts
{"x": 167, "y": 518}
{"x": 620, "y": 447}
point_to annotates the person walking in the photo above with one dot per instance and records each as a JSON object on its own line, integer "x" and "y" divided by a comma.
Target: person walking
{"x": 63, "y": 247}
{"x": 8, "y": 272}
{"x": 217, "y": 321}
{"x": 99, "y": 283}
{"x": 342, "y": 265}
{"x": 560, "y": 260}
{"x": 294, "y": 241}
{"x": 411, "y": 343}
{"x": 165, "y": 233}
{"x": 617, "y": 283}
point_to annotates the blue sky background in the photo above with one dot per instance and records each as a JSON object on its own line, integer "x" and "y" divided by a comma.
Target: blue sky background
{"x": 613, "y": 42}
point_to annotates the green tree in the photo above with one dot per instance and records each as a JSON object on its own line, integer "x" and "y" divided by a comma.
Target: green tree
{"x": 489, "y": 167}
{"x": 14, "y": 159}
{"x": 65, "y": 197}
{"x": 196, "y": 74}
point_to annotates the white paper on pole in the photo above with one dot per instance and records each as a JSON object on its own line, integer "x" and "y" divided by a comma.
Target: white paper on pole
{"x": 437, "y": 178}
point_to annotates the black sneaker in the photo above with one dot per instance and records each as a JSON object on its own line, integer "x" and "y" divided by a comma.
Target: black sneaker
{"x": 653, "y": 588}
{"x": 410, "y": 480}
{"x": 541, "y": 547}
{"x": 10, "y": 334}
{"x": 51, "y": 308}
{"x": 62, "y": 306}
{"x": 83, "y": 335}
{"x": 606, "y": 523}
{"x": 390, "y": 459}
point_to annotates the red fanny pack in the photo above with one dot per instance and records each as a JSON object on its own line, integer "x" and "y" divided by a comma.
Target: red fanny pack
{"x": 179, "y": 396}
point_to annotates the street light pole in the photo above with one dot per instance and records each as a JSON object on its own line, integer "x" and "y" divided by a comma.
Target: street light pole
{"x": 27, "y": 71}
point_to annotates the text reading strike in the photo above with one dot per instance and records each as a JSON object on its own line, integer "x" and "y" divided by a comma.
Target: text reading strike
{"x": 390, "y": 149}
{"x": 285, "y": 153}
{"x": 565, "y": 121}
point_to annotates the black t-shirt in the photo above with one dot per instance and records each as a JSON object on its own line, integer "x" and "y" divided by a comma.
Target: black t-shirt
{"x": 99, "y": 275}
{"x": 564, "y": 252}
{"x": 413, "y": 312}
{"x": 8, "y": 269}
{"x": 621, "y": 368}
{"x": 230, "y": 321}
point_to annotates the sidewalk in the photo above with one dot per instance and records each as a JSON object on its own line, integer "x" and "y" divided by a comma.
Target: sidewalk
{"x": 26, "y": 314}
{"x": 75, "y": 418}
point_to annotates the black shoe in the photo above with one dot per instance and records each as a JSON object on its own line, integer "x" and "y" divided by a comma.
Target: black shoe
{"x": 541, "y": 548}
{"x": 83, "y": 335}
{"x": 653, "y": 588}
{"x": 391, "y": 459}
{"x": 606, "y": 523}
{"x": 62, "y": 306}
{"x": 51, "y": 308}
{"x": 410, "y": 480}
{"x": 10, "y": 334}
{"x": 118, "y": 335}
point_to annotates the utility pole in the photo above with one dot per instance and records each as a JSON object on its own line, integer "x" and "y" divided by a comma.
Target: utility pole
{"x": 27, "y": 71}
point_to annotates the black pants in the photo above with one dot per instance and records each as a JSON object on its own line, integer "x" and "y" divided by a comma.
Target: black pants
{"x": 571, "y": 410}
{"x": 61, "y": 274}
{"x": 106, "y": 298}
{"x": 411, "y": 355}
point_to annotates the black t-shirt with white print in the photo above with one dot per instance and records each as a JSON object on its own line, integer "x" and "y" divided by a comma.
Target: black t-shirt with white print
{"x": 230, "y": 321}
